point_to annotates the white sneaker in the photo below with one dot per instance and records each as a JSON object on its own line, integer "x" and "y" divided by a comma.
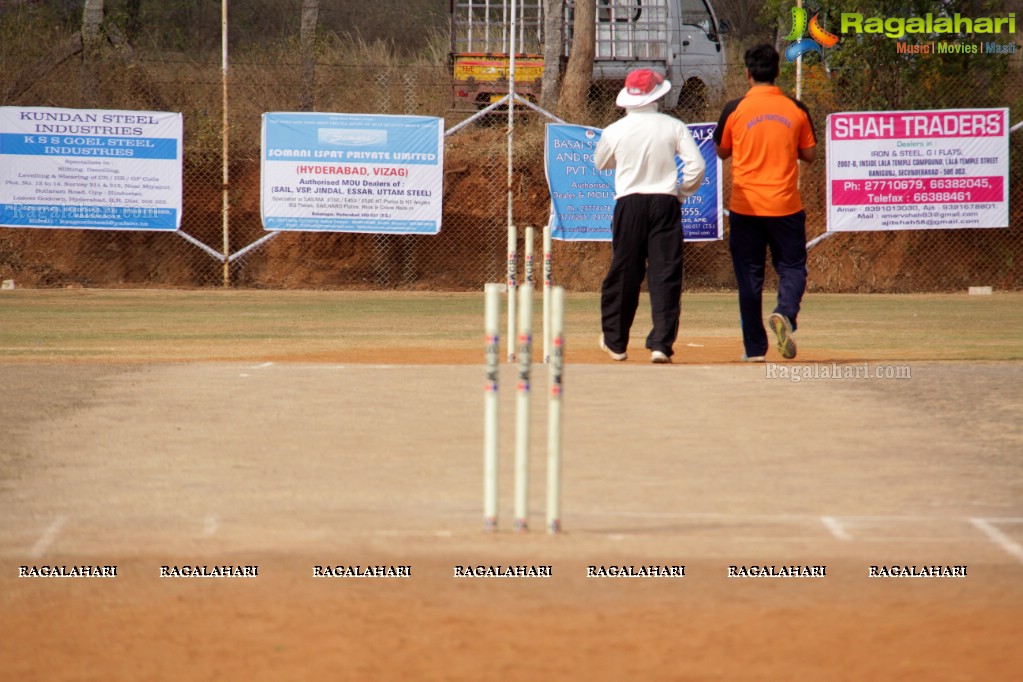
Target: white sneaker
{"x": 755, "y": 358}
{"x": 618, "y": 357}
{"x": 660, "y": 358}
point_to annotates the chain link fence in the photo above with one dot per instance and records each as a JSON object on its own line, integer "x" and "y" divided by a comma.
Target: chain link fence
{"x": 43, "y": 65}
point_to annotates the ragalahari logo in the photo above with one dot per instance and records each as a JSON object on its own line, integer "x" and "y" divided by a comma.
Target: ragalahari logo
{"x": 819, "y": 38}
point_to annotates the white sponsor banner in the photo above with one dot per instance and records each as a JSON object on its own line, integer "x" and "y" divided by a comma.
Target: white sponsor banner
{"x": 906, "y": 170}
{"x": 90, "y": 168}
{"x": 352, "y": 173}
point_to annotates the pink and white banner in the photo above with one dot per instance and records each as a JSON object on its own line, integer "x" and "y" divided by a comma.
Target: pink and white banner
{"x": 907, "y": 170}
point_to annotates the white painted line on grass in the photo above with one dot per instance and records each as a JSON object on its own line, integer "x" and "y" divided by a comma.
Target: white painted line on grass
{"x": 999, "y": 538}
{"x": 836, "y": 528}
{"x": 48, "y": 537}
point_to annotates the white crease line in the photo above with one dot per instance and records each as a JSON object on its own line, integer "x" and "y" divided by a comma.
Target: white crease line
{"x": 672, "y": 515}
{"x": 210, "y": 525}
{"x": 703, "y": 516}
{"x": 358, "y": 366}
{"x": 848, "y": 519}
{"x": 999, "y": 538}
{"x": 47, "y": 538}
{"x": 263, "y": 366}
{"x": 414, "y": 533}
{"x": 835, "y": 528}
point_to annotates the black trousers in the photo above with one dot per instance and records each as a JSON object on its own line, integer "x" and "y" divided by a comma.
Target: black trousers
{"x": 748, "y": 239}
{"x": 646, "y": 229}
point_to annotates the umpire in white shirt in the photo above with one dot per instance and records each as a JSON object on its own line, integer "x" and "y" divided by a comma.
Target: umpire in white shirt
{"x": 647, "y": 224}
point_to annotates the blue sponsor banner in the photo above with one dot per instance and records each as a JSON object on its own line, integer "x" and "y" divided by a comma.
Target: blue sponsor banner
{"x": 352, "y": 173}
{"x": 88, "y": 146}
{"x": 70, "y": 215}
{"x": 351, "y": 137}
{"x": 90, "y": 168}
{"x": 582, "y": 197}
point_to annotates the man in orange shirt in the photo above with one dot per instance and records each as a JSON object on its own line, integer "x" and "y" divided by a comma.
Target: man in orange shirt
{"x": 766, "y": 134}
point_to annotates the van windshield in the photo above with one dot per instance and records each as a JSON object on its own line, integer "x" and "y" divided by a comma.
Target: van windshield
{"x": 696, "y": 13}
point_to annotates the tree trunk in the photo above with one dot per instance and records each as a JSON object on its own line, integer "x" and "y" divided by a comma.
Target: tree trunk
{"x": 554, "y": 46}
{"x": 92, "y": 41}
{"x": 92, "y": 25}
{"x": 579, "y": 72}
{"x": 89, "y": 42}
{"x": 310, "y": 14}
{"x": 133, "y": 8}
{"x": 138, "y": 77}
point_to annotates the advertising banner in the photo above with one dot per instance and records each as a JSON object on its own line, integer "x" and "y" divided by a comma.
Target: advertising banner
{"x": 906, "y": 170}
{"x": 90, "y": 168}
{"x": 352, "y": 173}
{"x": 582, "y": 197}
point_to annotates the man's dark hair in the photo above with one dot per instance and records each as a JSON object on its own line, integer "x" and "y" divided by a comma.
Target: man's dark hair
{"x": 762, "y": 63}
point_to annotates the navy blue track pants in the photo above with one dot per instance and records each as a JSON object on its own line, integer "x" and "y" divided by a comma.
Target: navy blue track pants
{"x": 748, "y": 240}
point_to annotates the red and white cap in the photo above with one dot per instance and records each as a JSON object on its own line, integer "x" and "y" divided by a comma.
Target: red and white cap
{"x": 642, "y": 86}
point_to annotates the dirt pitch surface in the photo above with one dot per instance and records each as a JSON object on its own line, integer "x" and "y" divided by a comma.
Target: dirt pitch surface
{"x": 278, "y": 461}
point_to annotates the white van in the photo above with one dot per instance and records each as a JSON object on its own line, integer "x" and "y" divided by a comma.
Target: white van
{"x": 679, "y": 38}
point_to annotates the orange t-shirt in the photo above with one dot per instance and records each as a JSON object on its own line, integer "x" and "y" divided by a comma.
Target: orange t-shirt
{"x": 765, "y": 131}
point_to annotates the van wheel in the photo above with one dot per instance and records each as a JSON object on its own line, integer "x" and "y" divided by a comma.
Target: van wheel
{"x": 692, "y": 101}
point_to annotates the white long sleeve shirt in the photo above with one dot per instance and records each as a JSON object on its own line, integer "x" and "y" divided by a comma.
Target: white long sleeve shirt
{"x": 641, "y": 147}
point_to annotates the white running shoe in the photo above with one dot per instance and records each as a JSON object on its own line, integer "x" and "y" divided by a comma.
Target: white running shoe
{"x": 618, "y": 357}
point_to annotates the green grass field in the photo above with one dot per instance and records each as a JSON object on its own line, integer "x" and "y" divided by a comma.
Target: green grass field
{"x": 172, "y": 325}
